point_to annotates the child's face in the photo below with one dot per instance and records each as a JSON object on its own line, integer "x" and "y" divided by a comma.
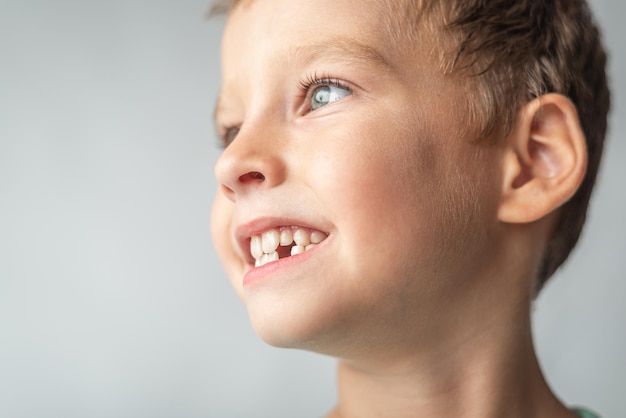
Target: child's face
{"x": 375, "y": 154}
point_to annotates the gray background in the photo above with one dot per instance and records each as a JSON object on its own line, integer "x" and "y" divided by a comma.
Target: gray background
{"x": 112, "y": 302}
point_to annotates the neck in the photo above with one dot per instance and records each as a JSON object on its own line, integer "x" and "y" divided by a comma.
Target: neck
{"x": 480, "y": 377}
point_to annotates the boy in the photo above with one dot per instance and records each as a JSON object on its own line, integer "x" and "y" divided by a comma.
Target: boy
{"x": 399, "y": 180}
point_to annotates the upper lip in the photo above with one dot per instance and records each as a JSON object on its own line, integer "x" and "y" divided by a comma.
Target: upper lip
{"x": 257, "y": 226}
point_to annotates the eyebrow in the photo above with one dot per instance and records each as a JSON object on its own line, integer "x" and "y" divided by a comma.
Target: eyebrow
{"x": 340, "y": 48}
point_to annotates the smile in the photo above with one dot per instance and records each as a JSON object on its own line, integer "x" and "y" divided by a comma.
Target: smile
{"x": 286, "y": 241}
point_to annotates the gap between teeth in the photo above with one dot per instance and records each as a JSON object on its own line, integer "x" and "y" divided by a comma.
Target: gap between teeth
{"x": 264, "y": 248}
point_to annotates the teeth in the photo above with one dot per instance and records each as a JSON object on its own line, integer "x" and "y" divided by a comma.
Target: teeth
{"x": 270, "y": 240}
{"x": 317, "y": 237}
{"x": 302, "y": 237}
{"x": 267, "y": 258}
{"x": 264, "y": 247}
{"x": 256, "y": 247}
{"x": 297, "y": 249}
{"x": 286, "y": 237}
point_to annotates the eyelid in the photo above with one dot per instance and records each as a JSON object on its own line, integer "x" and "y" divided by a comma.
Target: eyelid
{"x": 308, "y": 85}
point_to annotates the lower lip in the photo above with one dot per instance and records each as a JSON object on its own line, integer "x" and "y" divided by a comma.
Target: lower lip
{"x": 264, "y": 272}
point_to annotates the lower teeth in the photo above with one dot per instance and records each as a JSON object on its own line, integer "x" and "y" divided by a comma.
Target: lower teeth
{"x": 297, "y": 249}
{"x": 274, "y": 256}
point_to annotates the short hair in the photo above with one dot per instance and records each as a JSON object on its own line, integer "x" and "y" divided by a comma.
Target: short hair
{"x": 513, "y": 51}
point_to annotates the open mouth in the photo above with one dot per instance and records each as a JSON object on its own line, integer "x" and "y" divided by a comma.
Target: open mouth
{"x": 277, "y": 243}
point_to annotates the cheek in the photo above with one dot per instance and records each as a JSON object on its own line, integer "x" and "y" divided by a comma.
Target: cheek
{"x": 378, "y": 192}
{"x": 381, "y": 175}
{"x": 221, "y": 223}
{"x": 403, "y": 197}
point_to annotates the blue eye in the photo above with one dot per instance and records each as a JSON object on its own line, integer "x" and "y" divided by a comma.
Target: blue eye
{"x": 326, "y": 94}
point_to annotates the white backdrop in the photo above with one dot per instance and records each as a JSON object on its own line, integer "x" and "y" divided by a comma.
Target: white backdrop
{"x": 112, "y": 301}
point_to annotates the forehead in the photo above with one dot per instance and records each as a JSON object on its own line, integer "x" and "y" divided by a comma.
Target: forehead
{"x": 274, "y": 34}
{"x": 269, "y": 45}
{"x": 383, "y": 25}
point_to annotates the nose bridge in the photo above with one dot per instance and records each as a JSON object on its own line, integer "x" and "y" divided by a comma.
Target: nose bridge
{"x": 252, "y": 161}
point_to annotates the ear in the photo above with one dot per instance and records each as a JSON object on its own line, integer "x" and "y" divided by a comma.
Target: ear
{"x": 544, "y": 161}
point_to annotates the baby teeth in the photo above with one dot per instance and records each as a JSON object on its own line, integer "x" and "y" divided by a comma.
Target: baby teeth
{"x": 286, "y": 237}
{"x": 256, "y": 248}
{"x": 317, "y": 237}
{"x": 264, "y": 247}
{"x": 297, "y": 249}
{"x": 302, "y": 237}
{"x": 267, "y": 258}
{"x": 270, "y": 241}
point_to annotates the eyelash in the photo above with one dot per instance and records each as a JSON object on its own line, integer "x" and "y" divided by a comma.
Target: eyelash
{"x": 224, "y": 134}
{"x": 313, "y": 80}
{"x": 306, "y": 90}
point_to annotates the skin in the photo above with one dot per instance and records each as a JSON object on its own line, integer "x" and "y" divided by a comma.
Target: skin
{"x": 420, "y": 290}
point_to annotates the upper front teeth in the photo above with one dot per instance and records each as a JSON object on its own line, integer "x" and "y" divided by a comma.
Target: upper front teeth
{"x": 286, "y": 237}
{"x": 265, "y": 247}
{"x": 270, "y": 241}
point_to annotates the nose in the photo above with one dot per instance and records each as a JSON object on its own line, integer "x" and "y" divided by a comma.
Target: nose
{"x": 250, "y": 163}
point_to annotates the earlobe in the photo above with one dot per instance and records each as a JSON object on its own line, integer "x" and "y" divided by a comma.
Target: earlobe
{"x": 544, "y": 162}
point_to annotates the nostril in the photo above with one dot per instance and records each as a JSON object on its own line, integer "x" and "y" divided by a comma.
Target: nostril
{"x": 253, "y": 175}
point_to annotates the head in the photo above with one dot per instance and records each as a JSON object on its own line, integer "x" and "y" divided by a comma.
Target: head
{"x": 511, "y": 53}
{"x": 408, "y": 135}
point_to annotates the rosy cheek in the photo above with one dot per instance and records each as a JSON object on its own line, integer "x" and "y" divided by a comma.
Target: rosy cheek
{"x": 221, "y": 223}
{"x": 221, "y": 220}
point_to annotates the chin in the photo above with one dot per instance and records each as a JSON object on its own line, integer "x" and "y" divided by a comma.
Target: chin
{"x": 299, "y": 327}
{"x": 282, "y": 329}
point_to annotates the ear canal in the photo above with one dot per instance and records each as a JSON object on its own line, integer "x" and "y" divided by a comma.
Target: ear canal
{"x": 546, "y": 160}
